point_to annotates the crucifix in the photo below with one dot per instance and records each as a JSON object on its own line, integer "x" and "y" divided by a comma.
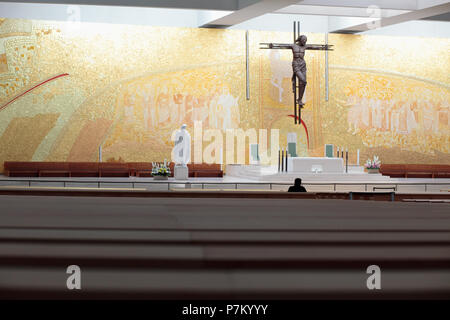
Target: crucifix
{"x": 298, "y": 64}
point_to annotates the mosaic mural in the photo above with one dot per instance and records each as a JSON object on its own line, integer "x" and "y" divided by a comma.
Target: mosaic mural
{"x": 66, "y": 90}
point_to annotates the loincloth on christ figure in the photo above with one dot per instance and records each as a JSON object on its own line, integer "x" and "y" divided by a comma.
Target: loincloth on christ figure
{"x": 299, "y": 66}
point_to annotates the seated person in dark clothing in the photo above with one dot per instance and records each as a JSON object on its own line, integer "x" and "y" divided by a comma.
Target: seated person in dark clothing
{"x": 297, "y": 187}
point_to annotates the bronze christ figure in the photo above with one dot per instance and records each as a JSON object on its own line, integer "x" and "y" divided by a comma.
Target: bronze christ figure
{"x": 298, "y": 63}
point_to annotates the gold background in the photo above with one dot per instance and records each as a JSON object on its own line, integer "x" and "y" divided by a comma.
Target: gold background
{"x": 66, "y": 89}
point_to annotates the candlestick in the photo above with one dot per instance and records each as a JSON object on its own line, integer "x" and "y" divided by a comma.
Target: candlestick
{"x": 279, "y": 159}
{"x": 286, "y": 166}
{"x": 357, "y": 157}
{"x": 346, "y": 160}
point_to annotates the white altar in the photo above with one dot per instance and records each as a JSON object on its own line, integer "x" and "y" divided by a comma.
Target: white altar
{"x": 315, "y": 165}
{"x": 330, "y": 172}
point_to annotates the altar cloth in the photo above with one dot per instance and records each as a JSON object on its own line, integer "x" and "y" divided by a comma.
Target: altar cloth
{"x": 315, "y": 164}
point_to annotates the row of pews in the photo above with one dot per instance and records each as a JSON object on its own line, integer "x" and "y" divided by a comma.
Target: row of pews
{"x": 99, "y": 169}
{"x": 416, "y": 170}
{"x": 214, "y": 248}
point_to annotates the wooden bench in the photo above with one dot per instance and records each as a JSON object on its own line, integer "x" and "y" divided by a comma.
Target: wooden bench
{"x": 205, "y": 170}
{"x": 416, "y": 170}
{"x": 21, "y": 169}
{"x": 102, "y": 169}
{"x": 376, "y": 196}
{"x": 140, "y": 169}
{"x": 83, "y": 169}
{"x": 113, "y": 169}
{"x": 442, "y": 171}
{"x": 419, "y": 171}
{"x": 393, "y": 170}
{"x": 53, "y": 169}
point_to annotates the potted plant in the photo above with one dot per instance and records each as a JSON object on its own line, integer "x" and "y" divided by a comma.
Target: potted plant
{"x": 373, "y": 165}
{"x": 160, "y": 171}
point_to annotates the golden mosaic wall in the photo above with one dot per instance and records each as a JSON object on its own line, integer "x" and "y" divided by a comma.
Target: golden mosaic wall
{"x": 67, "y": 89}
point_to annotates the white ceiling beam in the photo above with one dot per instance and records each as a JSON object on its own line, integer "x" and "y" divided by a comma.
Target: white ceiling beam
{"x": 382, "y": 4}
{"x": 422, "y": 4}
{"x": 249, "y": 12}
{"x": 229, "y": 5}
{"x": 337, "y": 11}
{"x": 383, "y": 22}
{"x": 206, "y": 16}
{"x": 103, "y": 14}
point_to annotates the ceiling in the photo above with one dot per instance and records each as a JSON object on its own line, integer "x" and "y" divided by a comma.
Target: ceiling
{"x": 343, "y": 16}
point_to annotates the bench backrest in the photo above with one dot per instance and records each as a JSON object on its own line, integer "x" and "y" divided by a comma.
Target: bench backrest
{"x": 140, "y": 166}
{"x": 83, "y": 166}
{"x": 113, "y": 166}
{"x": 20, "y": 166}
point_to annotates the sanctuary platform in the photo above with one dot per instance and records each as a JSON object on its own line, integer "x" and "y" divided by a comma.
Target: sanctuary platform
{"x": 332, "y": 169}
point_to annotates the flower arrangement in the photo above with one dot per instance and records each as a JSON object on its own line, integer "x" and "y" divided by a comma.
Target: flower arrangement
{"x": 160, "y": 169}
{"x": 373, "y": 164}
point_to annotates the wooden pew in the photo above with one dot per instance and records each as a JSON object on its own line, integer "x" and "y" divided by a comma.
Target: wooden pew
{"x": 83, "y": 169}
{"x": 393, "y": 170}
{"x": 419, "y": 171}
{"x": 140, "y": 169}
{"x": 416, "y": 170}
{"x": 113, "y": 169}
{"x": 442, "y": 171}
{"x": 53, "y": 169}
{"x": 20, "y": 169}
{"x": 205, "y": 170}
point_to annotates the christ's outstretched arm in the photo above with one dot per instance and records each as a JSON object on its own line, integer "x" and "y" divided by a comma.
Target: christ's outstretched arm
{"x": 266, "y": 45}
{"x": 319, "y": 47}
